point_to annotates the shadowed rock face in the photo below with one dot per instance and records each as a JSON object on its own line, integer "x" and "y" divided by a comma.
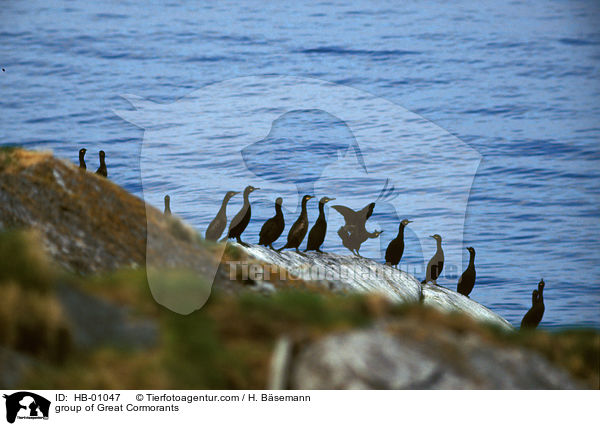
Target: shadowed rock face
{"x": 376, "y": 359}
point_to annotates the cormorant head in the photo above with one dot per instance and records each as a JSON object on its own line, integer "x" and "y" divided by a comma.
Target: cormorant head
{"x": 230, "y": 194}
{"x": 471, "y": 250}
{"x": 167, "y": 199}
{"x": 307, "y": 197}
{"x": 377, "y": 233}
{"x": 250, "y": 189}
{"x": 541, "y": 285}
{"x": 82, "y": 152}
{"x": 325, "y": 200}
{"x": 405, "y": 222}
{"x": 279, "y": 201}
{"x": 101, "y": 153}
{"x": 436, "y": 237}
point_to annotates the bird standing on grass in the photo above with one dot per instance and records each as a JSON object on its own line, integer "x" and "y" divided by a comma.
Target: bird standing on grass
{"x": 102, "y": 171}
{"x": 167, "y": 205}
{"x": 82, "y": 152}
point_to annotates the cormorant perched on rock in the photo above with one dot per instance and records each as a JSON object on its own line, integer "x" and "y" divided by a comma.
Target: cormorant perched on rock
{"x": 394, "y": 251}
{"x": 436, "y": 264}
{"x": 299, "y": 228}
{"x": 354, "y": 232}
{"x": 272, "y": 228}
{"x": 242, "y": 218}
{"x": 167, "y": 205}
{"x": 316, "y": 236}
{"x": 82, "y": 152}
{"x": 466, "y": 282}
{"x": 102, "y": 169}
{"x": 534, "y": 315}
{"x": 219, "y": 223}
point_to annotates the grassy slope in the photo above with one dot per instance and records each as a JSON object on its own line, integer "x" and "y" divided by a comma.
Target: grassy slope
{"x": 227, "y": 344}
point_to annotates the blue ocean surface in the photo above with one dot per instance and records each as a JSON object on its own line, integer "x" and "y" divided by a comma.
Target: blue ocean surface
{"x": 516, "y": 82}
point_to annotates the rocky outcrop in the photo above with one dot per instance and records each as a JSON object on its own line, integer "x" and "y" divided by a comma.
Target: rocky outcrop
{"x": 379, "y": 359}
{"x": 88, "y": 223}
{"x": 353, "y": 274}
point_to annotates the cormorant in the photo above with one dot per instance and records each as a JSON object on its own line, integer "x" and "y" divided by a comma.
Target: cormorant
{"x": 436, "y": 264}
{"x": 299, "y": 228}
{"x": 534, "y": 315}
{"x": 316, "y": 236}
{"x": 394, "y": 251}
{"x": 272, "y": 228}
{"x": 354, "y": 233}
{"x": 219, "y": 223}
{"x": 167, "y": 205}
{"x": 242, "y": 218}
{"x": 102, "y": 169}
{"x": 82, "y": 152}
{"x": 466, "y": 282}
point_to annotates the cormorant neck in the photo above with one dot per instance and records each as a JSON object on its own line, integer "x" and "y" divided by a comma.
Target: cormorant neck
{"x": 401, "y": 232}
{"x": 224, "y": 203}
{"x": 321, "y": 209}
{"x": 102, "y": 163}
{"x": 278, "y": 211}
{"x": 303, "y": 212}
{"x": 471, "y": 259}
{"x": 81, "y": 160}
{"x": 439, "y": 244}
{"x": 246, "y": 199}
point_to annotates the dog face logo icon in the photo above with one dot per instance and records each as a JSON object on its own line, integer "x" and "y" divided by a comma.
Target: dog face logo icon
{"x": 26, "y": 405}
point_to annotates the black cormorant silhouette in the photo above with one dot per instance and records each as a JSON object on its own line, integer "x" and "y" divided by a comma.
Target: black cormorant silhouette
{"x": 316, "y": 236}
{"x": 354, "y": 232}
{"x": 395, "y": 249}
{"x": 466, "y": 282}
{"x": 82, "y": 152}
{"x": 219, "y": 223}
{"x": 272, "y": 228}
{"x": 102, "y": 171}
{"x": 436, "y": 264}
{"x": 242, "y": 218}
{"x": 167, "y": 205}
{"x": 299, "y": 228}
{"x": 534, "y": 315}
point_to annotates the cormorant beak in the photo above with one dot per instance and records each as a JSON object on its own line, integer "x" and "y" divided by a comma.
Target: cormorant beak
{"x": 330, "y": 199}
{"x": 255, "y": 189}
{"x": 409, "y": 221}
{"x": 432, "y": 236}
